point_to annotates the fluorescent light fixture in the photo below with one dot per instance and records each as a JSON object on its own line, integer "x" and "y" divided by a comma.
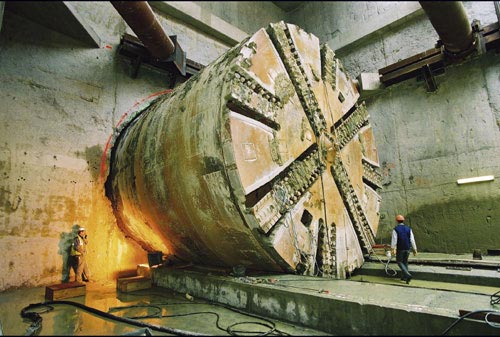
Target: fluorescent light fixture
{"x": 474, "y": 180}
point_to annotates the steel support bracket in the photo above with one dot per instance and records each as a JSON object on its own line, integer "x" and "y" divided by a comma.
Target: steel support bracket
{"x": 429, "y": 78}
{"x": 136, "y": 64}
{"x": 427, "y": 63}
{"x": 433, "y": 61}
{"x": 491, "y": 37}
{"x": 178, "y": 57}
{"x": 131, "y": 47}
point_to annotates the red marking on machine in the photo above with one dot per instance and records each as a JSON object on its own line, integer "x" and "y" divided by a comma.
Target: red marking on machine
{"x": 108, "y": 142}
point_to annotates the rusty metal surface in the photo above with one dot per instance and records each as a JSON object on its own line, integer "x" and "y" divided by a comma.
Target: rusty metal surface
{"x": 263, "y": 159}
{"x": 450, "y": 21}
{"x": 141, "y": 19}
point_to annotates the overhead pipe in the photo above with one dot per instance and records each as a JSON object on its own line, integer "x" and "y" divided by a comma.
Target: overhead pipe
{"x": 141, "y": 19}
{"x": 458, "y": 39}
{"x": 450, "y": 21}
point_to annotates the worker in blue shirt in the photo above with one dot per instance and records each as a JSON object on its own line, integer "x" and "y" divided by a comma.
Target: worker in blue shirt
{"x": 401, "y": 243}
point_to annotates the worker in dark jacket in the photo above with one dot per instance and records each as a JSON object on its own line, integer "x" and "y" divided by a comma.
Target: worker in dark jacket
{"x": 401, "y": 243}
{"x": 79, "y": 252}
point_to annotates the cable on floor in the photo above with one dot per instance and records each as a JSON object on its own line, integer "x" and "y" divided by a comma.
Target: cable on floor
{"x": 495, "y": 298}
{"x": 487, "y": 311}
{"x": 392, "y": 272}
{"x": 492, "y": 324}
{"x": 273, "y": 330}
{"x": 34, "y": 316}
{"x": 230, "y": 329}
{"x": 156, "y": 314}
{"x": 37, "y": 319}
{"x": 233, "y": 332}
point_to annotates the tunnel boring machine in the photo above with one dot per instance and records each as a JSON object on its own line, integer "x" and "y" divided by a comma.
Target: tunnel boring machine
{"x": 263, "y": 159}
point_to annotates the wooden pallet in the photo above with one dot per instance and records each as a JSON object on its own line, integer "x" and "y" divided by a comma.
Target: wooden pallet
{"x": 143, "y": 270}
{"x": 380, "y": 249}
{"x": 134, "y": 283}
{"x": 64, "y": 290}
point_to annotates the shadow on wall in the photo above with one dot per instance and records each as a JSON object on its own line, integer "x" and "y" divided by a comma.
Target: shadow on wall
{"x": 64, "y": 251}
{"x": 457, "y": 226}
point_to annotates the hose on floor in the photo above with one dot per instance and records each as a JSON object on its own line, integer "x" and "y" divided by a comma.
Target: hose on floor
{"x": 273, "y": 331}
{"x": 269, "y": 324}
{"x": 488, "y": 313}
{"x": 36, "y": 325}
{"x": 36, "y": 319}
{"x": 495, "y": 298}
{"x": 388, "y": 270}
{"x": 230, "y": 330}
{"x": 393, "y": 271}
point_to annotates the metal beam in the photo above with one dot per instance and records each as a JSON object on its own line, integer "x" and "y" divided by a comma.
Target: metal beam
{"x": 416, "y": 58}
{"x": 411, "y": 68}
{"x": 433, "y": 61}
{"x": 133, "y": 48}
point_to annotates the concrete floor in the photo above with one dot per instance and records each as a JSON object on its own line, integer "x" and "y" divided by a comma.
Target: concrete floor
{"x": 370, "y": 302}
{"x": 186, "y": 317}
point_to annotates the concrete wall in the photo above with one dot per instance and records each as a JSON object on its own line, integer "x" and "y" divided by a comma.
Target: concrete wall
{"x": 248, "y": 16}
{"x": 426, "y": 141}
{"x": 60, "y": 101}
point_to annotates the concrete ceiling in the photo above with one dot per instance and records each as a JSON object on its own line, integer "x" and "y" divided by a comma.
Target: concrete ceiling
{"x": 288, "y": 6}
{"x": 58, "y": 16}
{"x": 61, "y": 17}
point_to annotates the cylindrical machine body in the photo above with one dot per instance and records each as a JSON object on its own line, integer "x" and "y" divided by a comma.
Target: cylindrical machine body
{"x": 263, "y": 159}
{"x": 450, "y": 21}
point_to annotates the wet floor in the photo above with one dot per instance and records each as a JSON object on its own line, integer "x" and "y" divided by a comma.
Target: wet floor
{"x": 159, "y": 311}
{"x": 104, "y": 310}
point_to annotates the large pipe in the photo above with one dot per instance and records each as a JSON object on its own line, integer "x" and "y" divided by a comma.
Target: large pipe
{"x": 141, "y": 19}
{"x": 450, "y": 21}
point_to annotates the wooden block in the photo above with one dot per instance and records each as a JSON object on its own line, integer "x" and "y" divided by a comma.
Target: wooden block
{"x": 380, "y": 249}
{"x": 133, "y": 283}
{"x": 143, "y": 270}
{"x": 64, "y": 290}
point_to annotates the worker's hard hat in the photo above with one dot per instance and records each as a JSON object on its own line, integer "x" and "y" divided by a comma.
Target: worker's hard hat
{"x": 81, "y": 229}
{"x": 399, "y": 217}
